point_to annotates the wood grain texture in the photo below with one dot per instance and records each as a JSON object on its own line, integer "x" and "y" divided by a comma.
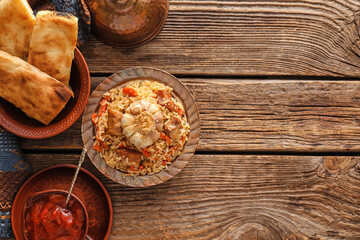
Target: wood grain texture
{"x": 251, "y": 37}
{"x": 262, "y": 115}
{"x": 238, "y": 197}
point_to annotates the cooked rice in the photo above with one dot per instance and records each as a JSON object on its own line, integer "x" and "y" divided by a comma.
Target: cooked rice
{"x": 162, "y": 154}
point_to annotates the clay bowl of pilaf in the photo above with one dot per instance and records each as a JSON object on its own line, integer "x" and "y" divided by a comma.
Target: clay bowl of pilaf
{"x": 140, "y": 127}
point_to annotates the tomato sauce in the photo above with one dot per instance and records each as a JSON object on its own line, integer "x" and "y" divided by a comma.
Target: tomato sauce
{"x": 47, "y": 218}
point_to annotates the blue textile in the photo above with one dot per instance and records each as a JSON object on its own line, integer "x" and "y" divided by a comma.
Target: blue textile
{"x": 11, "y": 158}
{"x": 5, "y": 225}
{"x": 13, "y": 170}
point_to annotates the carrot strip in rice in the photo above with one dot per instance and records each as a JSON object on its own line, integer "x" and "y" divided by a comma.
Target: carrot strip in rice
{"x": 97, "y": 147}
{"x": 166, "y": 138}
{"x": 103, "y": 106}
{"x": 180, "y": 112}
{"x": 102, "y": 144}
{"x": 183, "y": 138}
{"x": 130, "y": 91}
{"x": 106, "y": 147}
{"x": 94, "y": 118}
{"x": 146, "y": 153}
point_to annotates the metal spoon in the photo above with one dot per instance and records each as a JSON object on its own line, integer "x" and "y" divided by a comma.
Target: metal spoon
{"x": 82, "y": 157}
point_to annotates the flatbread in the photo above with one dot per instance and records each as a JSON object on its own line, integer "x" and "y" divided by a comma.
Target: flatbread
{"x": 16, "y": 26}
{"x": 53, "y": 43}
{"x": 36, "y": 93}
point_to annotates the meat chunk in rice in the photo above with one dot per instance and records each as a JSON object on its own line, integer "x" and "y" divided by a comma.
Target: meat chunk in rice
{"x": 114, "y": 122}
{"x": 164, "y": 99}
{"x": 129, "y": 157}
{"x": 172, "y": 127}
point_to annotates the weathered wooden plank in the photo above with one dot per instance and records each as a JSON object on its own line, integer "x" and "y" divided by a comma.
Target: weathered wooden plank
{"x": 238, "y": 197}
{"x": 229, "y": 37}
{"x": 258, "y": 115}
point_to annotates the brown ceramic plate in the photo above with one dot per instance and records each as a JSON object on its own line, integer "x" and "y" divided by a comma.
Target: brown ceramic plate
{"x": 121, "y": 78}
{"x": 18, "y": 123}
{"x": 87, "y": 188}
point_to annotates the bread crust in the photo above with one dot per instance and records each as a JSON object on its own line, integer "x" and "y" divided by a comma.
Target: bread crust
{"x": 36, "y": 93}
{"x": 53, "y": 43}
{"x": 16, "y": 26}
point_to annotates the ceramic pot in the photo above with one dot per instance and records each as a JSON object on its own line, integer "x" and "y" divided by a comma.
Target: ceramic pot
{"x": 127, "y": 23}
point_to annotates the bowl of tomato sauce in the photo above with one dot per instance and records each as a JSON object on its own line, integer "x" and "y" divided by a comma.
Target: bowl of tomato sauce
{"x": 45, "y": 216}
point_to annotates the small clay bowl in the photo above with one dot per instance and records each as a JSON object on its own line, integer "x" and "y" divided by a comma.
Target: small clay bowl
{"x": 42, "y": 194}
{"x": 18, "y": 123}
{"x": 87, "y": 188}
{"x": 120, "y": 79}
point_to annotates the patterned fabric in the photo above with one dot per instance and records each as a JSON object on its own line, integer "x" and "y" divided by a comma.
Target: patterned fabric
{"x": 14, "y": 169}
{"x": 77, "y": 8}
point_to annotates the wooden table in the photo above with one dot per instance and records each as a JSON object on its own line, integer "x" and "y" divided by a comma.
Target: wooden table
{"x": 276, "y": 83}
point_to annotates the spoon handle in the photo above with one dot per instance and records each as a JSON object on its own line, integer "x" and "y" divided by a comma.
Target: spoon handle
{"x": 82, "y": 157}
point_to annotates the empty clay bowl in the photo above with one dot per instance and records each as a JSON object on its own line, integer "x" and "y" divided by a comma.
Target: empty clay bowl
{"x": 18, "y": 123}
{"x": 127, "y": 23}
{"x": 42, "y": 197}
